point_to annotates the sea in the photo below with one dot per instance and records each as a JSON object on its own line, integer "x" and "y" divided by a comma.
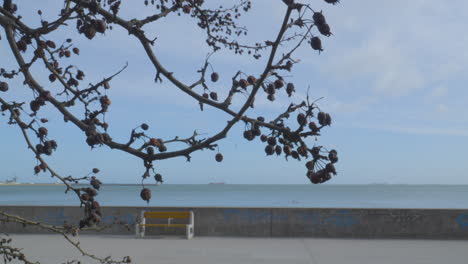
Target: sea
{"x": 250, "y": 195}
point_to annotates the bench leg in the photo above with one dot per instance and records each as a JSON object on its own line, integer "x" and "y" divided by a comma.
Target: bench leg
{"x": 190, "y": 231}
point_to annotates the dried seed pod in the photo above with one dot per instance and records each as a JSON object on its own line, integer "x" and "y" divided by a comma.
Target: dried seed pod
{"x": 52, "y": 77}
{"x": 162, "y": 148}
{"x": 243, "y": 83}
{"x": 186, "y": 9}
{"x": 214, "y": 96}
{"x": 3, "y": 86}
{"x": 219, "y": 157}
{"x": 95, "y": 183}
{"x": 327, "y": 120}
{"x": 290, "y": 89}
{"x": 269, "y": 150}
{"x": 272, "y": 141}
{"x": 39, "y": 148}
{"x": 333, "y": 156}
{"x": 150, "y": 150}
{"x": 321, "y": 118}
{"x": 50, "y": 44}
{"x": 316, "y": 44}
{"x": 158, "y": 178}
{"x": 214, "y": 77}
{"x": 39, "y": 52}
{"x": 37, "y": 169}
{"x": 313, "y": 126}
{"x": 310, "y": 165}
{"x": 330, "y": 168}
{"x": 278, "y": 150}
{"x": 105, "y": 101}
{"x": 85, "y": 197}
{"x": 294, "y": 154}
{"x": 257, "y": 132}
{"x": 106, "y": 85}
{"x": 302, "y": 150}
{"x": 301, "y": 119}
{"x": 279, "y": 83}
{"x": 287, "y": 150}
{"x": 263, "y": 138}
{"x": 249, "y": 135}
{"x": 316, "y": 153}
{"x": 333, "y": 2}
{"x": 89, "y": 31}
{"x": 319, "y": 18}
{"x": 90, "y": 191}
{"x": 271, "y": 89}
{"x": 144, "y": 126}
{"x": 76, "y": 51}
{"x": 42, "y": 131}
{"x": 271, "y": 97}
{"x": 324, "y": 29}
{"x": 22, "y": 45}
{"x": 100, "y": 25}
{"x": 251, "y": 79}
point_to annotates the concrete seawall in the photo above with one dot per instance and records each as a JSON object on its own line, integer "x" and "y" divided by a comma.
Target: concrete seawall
{"x": 269, "y": 222}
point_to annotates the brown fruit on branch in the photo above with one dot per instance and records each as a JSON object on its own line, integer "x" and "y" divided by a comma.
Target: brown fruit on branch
{"x": 145, "y": 194}
{"x": 100, "y": 25}
{"x": 290, "y": 89}
{"x": 37, "y": 169}
{"x": 269, "y": 150}
{"x": 214, "y": 96}
{"x": 50, "y": 44}
{"x": 263, "y": 138}
{"x": 186, "y": 9}
{"x": 272, "y": 141}
{"x": 249, "y": 135}
{"x": 76, "y": 51}
{"x": 243, "y": 83}
{"x": 324, "y": 29}
{"x": 42, "y": 131}
{"x": 251, "y": 79}
{"x": 95, "y": 170}
{"x": 316, "y": 44}
{"x": 301, "y": 119}
{"x": 214, "y": 77}
{"x": 278, "y": 150}
{"x": 154, "y": 142}
{"x": 3, "y": 86}
{"x": 279, "y": 83}
{"x": 219, "y": 157}
{"x": 319, "y": 18}
{"x": 144, "y": 126}
{"x": 89, "y": 31}
{"x": 333, "y": 2}
{"x": 52, "y": 77}
{"x": 95, "y": 183}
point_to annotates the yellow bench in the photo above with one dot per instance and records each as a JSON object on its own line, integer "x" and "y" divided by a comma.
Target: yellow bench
{"x": 141, "y": 227}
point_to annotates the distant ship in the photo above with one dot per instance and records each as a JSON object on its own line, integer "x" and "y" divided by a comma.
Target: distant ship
{"x": 11, "y": 181}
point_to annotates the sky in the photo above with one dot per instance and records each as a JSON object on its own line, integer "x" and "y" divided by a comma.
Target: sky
{"x": 392, "y": 76}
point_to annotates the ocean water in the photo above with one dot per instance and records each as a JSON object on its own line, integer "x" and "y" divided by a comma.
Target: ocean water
{"x": 242, "y": 195}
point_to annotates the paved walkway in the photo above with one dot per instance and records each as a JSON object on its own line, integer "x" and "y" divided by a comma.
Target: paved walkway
{"x": 206, "y": 250}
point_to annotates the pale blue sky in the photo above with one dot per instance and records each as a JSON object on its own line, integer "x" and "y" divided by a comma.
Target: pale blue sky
{"x": 393, "y": 77}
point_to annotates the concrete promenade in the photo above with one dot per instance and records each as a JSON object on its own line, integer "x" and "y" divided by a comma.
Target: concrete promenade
{"x": 219, "y": 250}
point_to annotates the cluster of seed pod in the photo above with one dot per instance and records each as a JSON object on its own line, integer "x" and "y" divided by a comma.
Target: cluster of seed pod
{"x": 157, "y": 143}
{"x": 90, "y": 27}
{"x": 47, "y": 147}
{"x": 325, "y": 173}
{"x": 93, "y": 137}
{"x": 92, "y": 208}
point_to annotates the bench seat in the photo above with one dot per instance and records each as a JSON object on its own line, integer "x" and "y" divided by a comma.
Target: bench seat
{"x": 140, "y": 227}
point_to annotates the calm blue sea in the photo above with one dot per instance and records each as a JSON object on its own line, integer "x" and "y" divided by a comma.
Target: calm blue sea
{"x": 233, "y": 195}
